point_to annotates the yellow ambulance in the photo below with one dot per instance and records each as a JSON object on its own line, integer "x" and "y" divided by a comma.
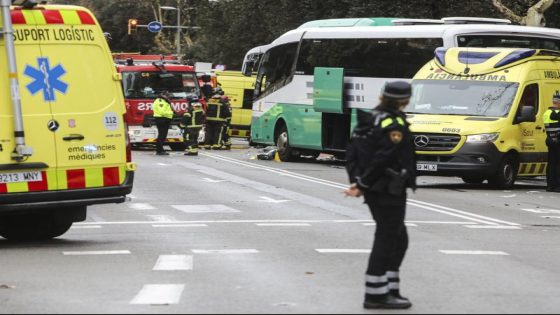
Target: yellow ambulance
{"x": 477, "y": 113}
{"x": 240, "y": 90}
{"x": 63, "y": 139}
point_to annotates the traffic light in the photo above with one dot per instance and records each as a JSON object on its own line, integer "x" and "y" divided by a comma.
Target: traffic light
{"x": 132, "y": 26}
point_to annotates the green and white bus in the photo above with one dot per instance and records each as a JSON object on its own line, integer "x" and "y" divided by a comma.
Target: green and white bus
{"x": 312, "y": 80}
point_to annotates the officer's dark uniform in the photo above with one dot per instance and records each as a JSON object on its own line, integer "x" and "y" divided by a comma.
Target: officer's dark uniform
{"x": 216, "y": 114}
{"x": 192, "y": 123}
{"x": 381, "y": 162}
{"x": 552, "y": 124}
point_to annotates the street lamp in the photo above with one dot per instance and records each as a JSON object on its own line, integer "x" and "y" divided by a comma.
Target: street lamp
{"x": 178, "y": 43}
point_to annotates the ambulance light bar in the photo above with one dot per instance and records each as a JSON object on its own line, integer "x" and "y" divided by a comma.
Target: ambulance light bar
{"x": 28, "y": 4}
{"x": 516, "y": 56}
{"x": 440, "y": 55}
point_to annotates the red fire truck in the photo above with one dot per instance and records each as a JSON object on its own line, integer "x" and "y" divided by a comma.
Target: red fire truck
{"x": 144, "y": 77}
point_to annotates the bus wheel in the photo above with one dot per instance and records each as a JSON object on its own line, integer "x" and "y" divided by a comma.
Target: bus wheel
{"x": 473, "y": 181}
{"x": 506, "y": 175}
{"x": 33, "y": 227}
{"x": 285, "y": 152}
{"x": 178, "y": 147}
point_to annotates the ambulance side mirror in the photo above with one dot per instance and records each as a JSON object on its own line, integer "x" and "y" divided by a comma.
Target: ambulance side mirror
{"x": 527, "y": 115}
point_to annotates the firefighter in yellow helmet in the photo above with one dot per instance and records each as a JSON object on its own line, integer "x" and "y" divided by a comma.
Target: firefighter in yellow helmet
{"x": 216, "y": 114}
{"x": 192, "y": 123}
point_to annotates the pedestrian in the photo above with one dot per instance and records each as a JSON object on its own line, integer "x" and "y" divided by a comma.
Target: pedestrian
{"x": 552, "y": 125}
{"x": 192, "y": 123}
{"x": 163, "y": 114}
{"x": 382, "y": 165}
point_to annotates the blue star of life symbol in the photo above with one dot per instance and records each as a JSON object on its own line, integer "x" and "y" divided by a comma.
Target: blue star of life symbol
{"x": 46, "y": 79}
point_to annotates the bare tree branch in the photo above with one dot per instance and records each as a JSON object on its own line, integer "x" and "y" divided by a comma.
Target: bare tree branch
{"x": 507, "y": 12}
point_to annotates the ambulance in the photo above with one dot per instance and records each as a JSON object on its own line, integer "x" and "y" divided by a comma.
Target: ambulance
{"x": 63, "y": 139}
{"x": 240, "y": 90}
{"x": 477, "y": 113}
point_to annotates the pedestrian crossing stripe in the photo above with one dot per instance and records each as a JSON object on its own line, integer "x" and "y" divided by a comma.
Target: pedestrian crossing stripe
{"x": 532, "y": 169}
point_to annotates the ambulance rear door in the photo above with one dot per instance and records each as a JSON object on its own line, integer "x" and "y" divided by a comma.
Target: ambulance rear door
{"x": 86, "y": 100}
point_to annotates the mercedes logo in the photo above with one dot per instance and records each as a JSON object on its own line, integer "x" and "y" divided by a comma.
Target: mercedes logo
{"x": 422, "y": 141}
{"x": 53, "y": 125}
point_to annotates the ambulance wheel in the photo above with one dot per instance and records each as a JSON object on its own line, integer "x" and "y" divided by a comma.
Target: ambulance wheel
{"x": 33, "y": 228}
{"x": 178, "y": 147}
{"x": 507, "y": 173}
{"x": 285, "y": 152}
{"x": 473, "y": 181}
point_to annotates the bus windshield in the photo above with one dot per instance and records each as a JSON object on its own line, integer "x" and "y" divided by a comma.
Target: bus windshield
{"x": 463, "y": 98}
{"x": 147, "y": 85}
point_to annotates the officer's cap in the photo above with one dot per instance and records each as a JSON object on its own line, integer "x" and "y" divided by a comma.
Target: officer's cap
{"x": 397, "y": 90}
{"x": 556, "y": 97}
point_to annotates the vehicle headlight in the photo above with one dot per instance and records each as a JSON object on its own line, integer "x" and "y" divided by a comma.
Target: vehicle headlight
{"x": 483, "y": 138}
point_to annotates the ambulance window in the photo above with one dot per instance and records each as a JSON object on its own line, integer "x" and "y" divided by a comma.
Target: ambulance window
{"x": 530, "y": 98}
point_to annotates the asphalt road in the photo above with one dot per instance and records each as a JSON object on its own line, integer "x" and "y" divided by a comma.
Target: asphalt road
{"x": 226, "y": 233}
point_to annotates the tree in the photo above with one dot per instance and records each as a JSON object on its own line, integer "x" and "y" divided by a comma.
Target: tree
{"x": 533, "y": 17}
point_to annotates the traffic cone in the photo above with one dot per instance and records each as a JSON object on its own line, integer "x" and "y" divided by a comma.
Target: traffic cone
{"x": 277, "y": 158}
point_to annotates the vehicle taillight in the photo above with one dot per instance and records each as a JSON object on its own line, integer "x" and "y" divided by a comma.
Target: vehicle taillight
{"x": 128, "y": 144}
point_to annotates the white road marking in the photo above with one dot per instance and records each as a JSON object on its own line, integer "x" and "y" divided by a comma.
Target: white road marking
{"x": 174, "y": 263}
{"x": 344, "y": 251}
{"x": 283, "y": 224}
{"x": 86, "y": 227}
{"x": 141, "y": 206}
{"x": 161, "y": 218}
{"x": 509, "y": 196}
{"x": 442, "y": 222}
{"x": 542, "y": 211}
{"x": 178, "y": 225}
{"x": 474, "y": 252}
{"x": 264, "y": 221}
{"x": 159, "y": 294}
{"x": 424, "y": 205}
{"x": 94, "y": 253}
{"x": 163, "y": 164}
{"x": 214, "y": 181}
{"x": 205, "y": 209}
{"x": 493, "y": 227}
{"x": 225, "y": 251}
{"x": 270, "y": 200}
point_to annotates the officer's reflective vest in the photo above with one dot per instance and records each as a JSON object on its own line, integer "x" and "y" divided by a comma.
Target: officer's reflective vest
{"x": 193, "y": 119}
{"x": 552, "y": 126}
{"x": 162, "y": 108}
{"x": 214, "y": 110}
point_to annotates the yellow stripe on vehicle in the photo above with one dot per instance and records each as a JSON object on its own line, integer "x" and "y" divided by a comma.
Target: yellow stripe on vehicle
{"x": 70, "y": 17}
{"x": 18, "y": 188}
{"x": 94, "y": 177}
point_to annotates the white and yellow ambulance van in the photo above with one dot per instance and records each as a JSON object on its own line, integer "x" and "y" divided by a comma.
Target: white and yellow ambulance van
{"x": 63, "y": 139}
{"x": 477, "y": 113}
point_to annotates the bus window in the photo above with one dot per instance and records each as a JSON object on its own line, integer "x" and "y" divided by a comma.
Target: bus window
{"x": 275, "y": 70}
{"x": 371, "y": 58}
{"x": 506, "y": 41}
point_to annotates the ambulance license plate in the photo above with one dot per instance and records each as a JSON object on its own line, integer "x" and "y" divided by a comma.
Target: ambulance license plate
{"x": 23, "y": 177}
{"x": 427, "y": 167}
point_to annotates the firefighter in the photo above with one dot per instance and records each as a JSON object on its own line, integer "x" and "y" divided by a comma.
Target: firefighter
{"x": 163, "y": 114}
{"x": 227, "y": 114}
{"x": 192, "y": 123}
{"x": 215, "y": 118}
{"x": 552, "y": 124}
{"x": 381, "y": 165}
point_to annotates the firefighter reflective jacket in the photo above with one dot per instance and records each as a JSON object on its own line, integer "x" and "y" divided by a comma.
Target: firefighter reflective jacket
{"x": 193, "y": 118}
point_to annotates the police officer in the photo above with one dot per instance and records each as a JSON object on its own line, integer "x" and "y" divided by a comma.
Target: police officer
{"x": 215, "y": 118}
{"x": 192, "y": 123}
{"x": 227, "y": 115}
{"x": 552, "y": 124}
{"x": 381, "y": 165}
{"x": 163, "y": 114}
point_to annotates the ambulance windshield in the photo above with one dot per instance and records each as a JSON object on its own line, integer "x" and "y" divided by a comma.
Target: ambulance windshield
{"x": 147, "y": 85}
{"x": 462, "y": 98}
